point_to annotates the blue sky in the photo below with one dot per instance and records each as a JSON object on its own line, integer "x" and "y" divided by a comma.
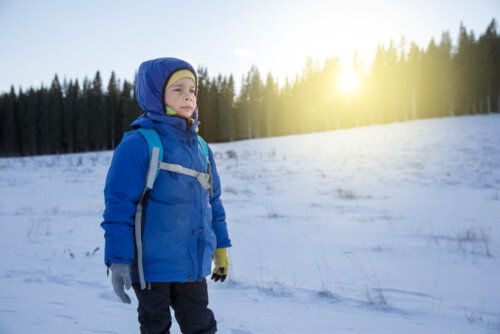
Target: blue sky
{"x": 75, "y": 38}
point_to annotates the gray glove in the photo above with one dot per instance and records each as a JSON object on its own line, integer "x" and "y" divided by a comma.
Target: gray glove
{"x": 120, "y": 277}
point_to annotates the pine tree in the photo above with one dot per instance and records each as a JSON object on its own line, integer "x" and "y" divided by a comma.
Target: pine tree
{"x": 71, "y": 114}
{"x": 210, "y": 113}
{"x": 391, "y": 85}
{"x": 429, "y": 88}
{"x": 330, "y": 76}
{"x": 9, "y": 146}
{"x": 127, "y": 106}
{"x": 307, "y": 107}
{"x": 378, "y": 83}
{"x": 254, "y": 109}
{"x": 203, "y": 102}
{"x": 444, "y": 76}
{"x": 97, "y": 125}
{"x": 42, "y": 121}
{"x": 30, "y": 131}
{"x": 489, "y": 67}
{"x": 415, "y": 79}
{"x": 114, "y": 113}
{"x": 21, "y": 120}
{"x": 12, "y": 128}
{"x": 229, "y": 100}
{"x": 463, "y": 67}
{"x": 55, "y": 116}
{"x": 269, "y": 106}
{"x": 242, "y": 113}
{"x": 82, "y": 122}
{"x": 226, "y": 110}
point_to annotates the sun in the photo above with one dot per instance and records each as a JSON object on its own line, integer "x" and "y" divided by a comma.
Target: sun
{"x": 348, "y": 80}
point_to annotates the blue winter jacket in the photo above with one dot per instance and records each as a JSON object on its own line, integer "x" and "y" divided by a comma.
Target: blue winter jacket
{"x": 182, "y": 224}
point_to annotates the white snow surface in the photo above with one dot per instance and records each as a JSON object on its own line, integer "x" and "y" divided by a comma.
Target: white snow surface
{"x": 382, "y": 229}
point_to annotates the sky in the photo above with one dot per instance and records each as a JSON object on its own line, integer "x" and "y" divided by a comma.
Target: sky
{"x": 74, "y": 38}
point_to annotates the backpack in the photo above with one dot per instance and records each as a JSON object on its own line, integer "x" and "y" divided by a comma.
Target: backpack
{"x": 155, "y": 164}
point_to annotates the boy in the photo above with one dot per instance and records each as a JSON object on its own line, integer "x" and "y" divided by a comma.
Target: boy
{"x": 161, "y": 240}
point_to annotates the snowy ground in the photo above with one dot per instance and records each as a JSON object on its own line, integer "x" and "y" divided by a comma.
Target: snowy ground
{"x": 392, "y": 228}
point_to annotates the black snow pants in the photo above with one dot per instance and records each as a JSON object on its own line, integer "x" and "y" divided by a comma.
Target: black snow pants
{"x": 190, "y": 304}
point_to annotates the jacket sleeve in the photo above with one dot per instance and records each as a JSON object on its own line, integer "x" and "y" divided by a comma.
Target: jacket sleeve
{"x": 218, "y": 213}
{"x": 124, "y": 185}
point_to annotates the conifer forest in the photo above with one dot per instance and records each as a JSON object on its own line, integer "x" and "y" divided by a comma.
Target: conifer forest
{"x": 404, "y": 82}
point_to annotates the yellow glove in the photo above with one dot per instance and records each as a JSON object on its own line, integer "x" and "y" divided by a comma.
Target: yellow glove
{"x": 221, "y": 263}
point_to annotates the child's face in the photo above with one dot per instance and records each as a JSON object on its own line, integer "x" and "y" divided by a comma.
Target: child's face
{"x": 180, "y": 97}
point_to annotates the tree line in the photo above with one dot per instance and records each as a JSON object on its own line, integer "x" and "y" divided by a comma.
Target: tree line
{"x": 404, "y": 82}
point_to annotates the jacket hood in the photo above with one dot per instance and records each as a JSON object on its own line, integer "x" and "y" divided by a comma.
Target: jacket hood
{"x": 151, "y": 82}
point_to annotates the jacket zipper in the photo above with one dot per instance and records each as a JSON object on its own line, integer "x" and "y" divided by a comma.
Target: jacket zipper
{"x": 199, "y": 251}
{"x": 198, "y": 241}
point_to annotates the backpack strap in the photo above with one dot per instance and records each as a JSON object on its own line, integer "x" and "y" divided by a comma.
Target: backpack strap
{"x": 204, "y": 149}
{"x": 203, "y": 178}
{"x": 154, "y": 156}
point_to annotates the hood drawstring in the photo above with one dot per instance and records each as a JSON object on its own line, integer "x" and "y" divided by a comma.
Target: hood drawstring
{"x": 189, "y": 122}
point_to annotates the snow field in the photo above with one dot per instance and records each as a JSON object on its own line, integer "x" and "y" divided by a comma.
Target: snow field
{"x": 369, "y": 230}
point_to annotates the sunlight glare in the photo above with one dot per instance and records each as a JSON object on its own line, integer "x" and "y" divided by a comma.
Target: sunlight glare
{"x": 348, "y": 80}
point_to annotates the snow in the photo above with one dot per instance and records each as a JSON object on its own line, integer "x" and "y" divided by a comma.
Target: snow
{"x": 389, "y": 228}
